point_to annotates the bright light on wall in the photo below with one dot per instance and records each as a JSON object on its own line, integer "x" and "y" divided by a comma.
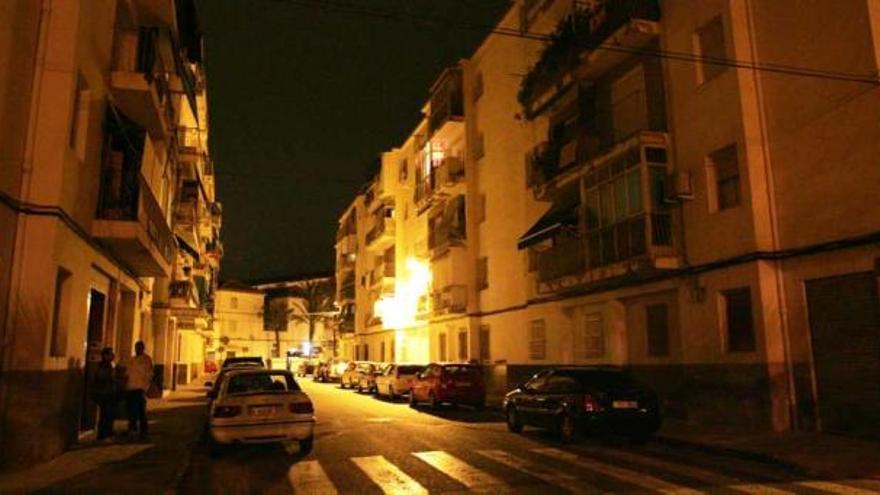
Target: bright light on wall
{"x": 400, "y": 310}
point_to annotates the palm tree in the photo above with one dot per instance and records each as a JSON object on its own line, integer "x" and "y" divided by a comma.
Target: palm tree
{"x": 313, "y": 303}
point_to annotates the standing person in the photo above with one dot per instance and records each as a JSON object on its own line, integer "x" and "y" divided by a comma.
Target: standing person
{"x": 139, "y": 376}
{"x": 105, "y": 393}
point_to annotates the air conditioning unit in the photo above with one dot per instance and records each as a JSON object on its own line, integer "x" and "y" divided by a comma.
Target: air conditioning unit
{"x": 679, "y": 186}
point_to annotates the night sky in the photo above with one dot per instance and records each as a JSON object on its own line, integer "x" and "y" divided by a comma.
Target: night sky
{"x": 302, "y": 100}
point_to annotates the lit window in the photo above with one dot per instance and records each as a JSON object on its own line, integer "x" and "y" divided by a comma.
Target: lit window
{"x": 710, "y": 46}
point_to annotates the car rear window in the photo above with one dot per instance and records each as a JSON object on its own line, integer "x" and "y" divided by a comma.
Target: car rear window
{"x": 256, "y": 361}
{"x": 410, "y": 369}
{"x": 456, "y": 370}
{"x": 601, "y": 378}
{"x": 251, "y": 383}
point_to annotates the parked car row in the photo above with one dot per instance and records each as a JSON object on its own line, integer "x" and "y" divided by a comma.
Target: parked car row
{"x": 572, "y": 400}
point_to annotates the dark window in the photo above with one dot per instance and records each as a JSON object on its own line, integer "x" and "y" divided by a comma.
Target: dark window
{"x": 711, "y": 47}
{"x": 738, "y": 319}
{"x": 442, "y": 346}
{"x": 60, "y": 312}
{"x": 657, "y": 323}
{"x": 462, "y": 345}
{"x": 726, "y": 167}
{"x": 485, "y": 355}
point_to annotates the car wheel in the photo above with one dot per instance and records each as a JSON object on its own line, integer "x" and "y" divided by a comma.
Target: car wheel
{"x": 432, "y": 400}
{"x": 412, "y": 400}
{"x": 391, "y": 392}
{"x": 360, "y": 389}
{"x": 567, "y": 429}
{"x": 513, "y": 422}
{"x": 305, "y": 445}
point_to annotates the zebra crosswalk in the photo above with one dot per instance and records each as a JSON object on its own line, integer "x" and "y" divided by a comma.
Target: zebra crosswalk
{"x": 578, "y": 473}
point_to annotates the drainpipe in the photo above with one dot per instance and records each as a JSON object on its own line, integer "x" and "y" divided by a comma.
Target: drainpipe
{"x": 774, "y": 227}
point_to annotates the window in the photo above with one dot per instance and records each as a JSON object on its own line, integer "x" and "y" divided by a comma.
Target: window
{"x": 462, "y": 344}
{"x": 709, "y": 41}
{"x": 233, "y": 303}
{"x": 382, "y": 352}
{"x": 366, "y": 352}
{"x": 657, "y": 324}
{"x": 404, "y": 170}
{"x": 441, "y": 347}
{"x": 537, "y": 340}
{"x": 589, "y": 336}
{"x": 629, "y": 105}
{"x": 60, "y": 314}
{"x": 483, "y": 273}
{"x": 724, "y": 176}
{"x": 478, "y": 85}
{"x": 79, "y": 119}
{"x": 479, "y": 146}
{"x": 737, "y": 318}
{"x": 391, "y": 351}
{"x": 485, "y": 354}
{"x": 481, "y": 208}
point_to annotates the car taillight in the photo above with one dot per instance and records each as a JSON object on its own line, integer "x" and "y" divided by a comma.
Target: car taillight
{"x": 591, "y": 404}
{"x": 302, "y": 408}
{"x": 226, "y": 411}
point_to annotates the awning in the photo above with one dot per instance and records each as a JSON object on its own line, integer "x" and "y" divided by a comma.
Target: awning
{"x": 563, "y": 213}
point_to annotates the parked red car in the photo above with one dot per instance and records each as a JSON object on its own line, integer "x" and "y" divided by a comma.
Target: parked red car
{"x": 449, "y": 383}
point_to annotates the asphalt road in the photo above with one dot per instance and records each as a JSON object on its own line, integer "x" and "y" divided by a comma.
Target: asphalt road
{"x": 367, "y": 445}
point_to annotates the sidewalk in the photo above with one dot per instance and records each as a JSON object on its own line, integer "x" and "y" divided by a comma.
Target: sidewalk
{"x": 817, "y": 455}
{"x": 154, "y": 466}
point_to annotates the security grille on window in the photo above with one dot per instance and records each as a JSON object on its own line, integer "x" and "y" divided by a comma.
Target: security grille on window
{"x": 657, "y": 323}
{"x": 724, "y": 165}
{"x": 462, "y": 345}
{"x": 710, "y": 47}
{"x": 737, "y": 318}
{"x": 589, "y": 336}
{"x": 485, "y": 354}
{"x": 537, "y": 340}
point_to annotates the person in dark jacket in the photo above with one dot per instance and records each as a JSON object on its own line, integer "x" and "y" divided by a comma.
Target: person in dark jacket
{"x": 105, "y": 393}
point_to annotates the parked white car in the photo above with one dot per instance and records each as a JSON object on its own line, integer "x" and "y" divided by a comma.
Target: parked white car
{"x": 260, "y": 406}
{"x": 397, "y": 379}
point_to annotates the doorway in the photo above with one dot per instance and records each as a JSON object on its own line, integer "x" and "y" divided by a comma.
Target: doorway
{"x": 94, "y": 340}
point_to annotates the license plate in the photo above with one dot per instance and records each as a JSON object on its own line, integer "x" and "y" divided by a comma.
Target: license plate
{"x": 462, "y": 384}
{"x": 625, "y": 404}
{"x": 262, "y": 410}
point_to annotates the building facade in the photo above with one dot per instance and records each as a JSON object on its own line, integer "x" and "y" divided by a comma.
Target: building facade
{"x": 678, "y": 189}
{"x": 92, "y": 100}
{"x": 238, "y": 321}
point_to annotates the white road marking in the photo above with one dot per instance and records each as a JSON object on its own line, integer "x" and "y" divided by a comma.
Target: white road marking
{"x": 703, "y": 475}
{"x": 460, "y": 471}
{"x": 549, "y": 475}
{"x": 388, "y": 476}
{"x": 308, "y": 477}
{"x": 629, "y": 476}
{"x": 827, "y": 486}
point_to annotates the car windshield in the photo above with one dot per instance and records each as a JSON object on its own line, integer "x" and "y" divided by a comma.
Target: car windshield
{"x": 256, "y": 383}
{"x": 410, "y": 369}
{"x": 601, "y": 378}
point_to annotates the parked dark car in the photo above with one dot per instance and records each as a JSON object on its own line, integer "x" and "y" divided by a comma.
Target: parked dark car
{"x": 232, "y": 361}
{"x": 576, "y": 400}
{"x": 449, "y": 383}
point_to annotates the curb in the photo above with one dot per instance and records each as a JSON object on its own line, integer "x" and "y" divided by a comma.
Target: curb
{"x": 743, "y": 454}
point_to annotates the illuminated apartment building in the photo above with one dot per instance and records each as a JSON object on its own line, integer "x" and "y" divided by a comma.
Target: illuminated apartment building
{"x": 97, "y": 102}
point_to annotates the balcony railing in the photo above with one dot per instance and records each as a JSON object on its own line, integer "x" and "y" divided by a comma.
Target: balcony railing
{"x": 564, "y": 259}
{"x": 447, "y": 101}
{"x": 450, "y": 171}
{"x": 450, "y": 299}
{"x": 382, "y": 233}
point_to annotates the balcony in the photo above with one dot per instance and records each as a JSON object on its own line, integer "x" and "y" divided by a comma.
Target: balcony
{"x": 566, "y": 258}
{"x": 183, "y": 294}
{"x": 381, "y": 236}
{"x": 131, "y": 224}
{"x": 452, "y": 299}
{"x": 383, "y": 276}
{"x": 447, "y": 106}
{"x": 449, "y": 173}
{"x": 447, "y": 229}
{"x": 629, "y": 23}
{"x": 216, "y": 214}
{"x": 139, "y": 83}
{"x": 347, "y": 289}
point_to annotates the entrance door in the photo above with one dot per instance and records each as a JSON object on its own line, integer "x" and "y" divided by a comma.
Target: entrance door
{"x": 94, "y": 341}
{"x": 845, "y": 326}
